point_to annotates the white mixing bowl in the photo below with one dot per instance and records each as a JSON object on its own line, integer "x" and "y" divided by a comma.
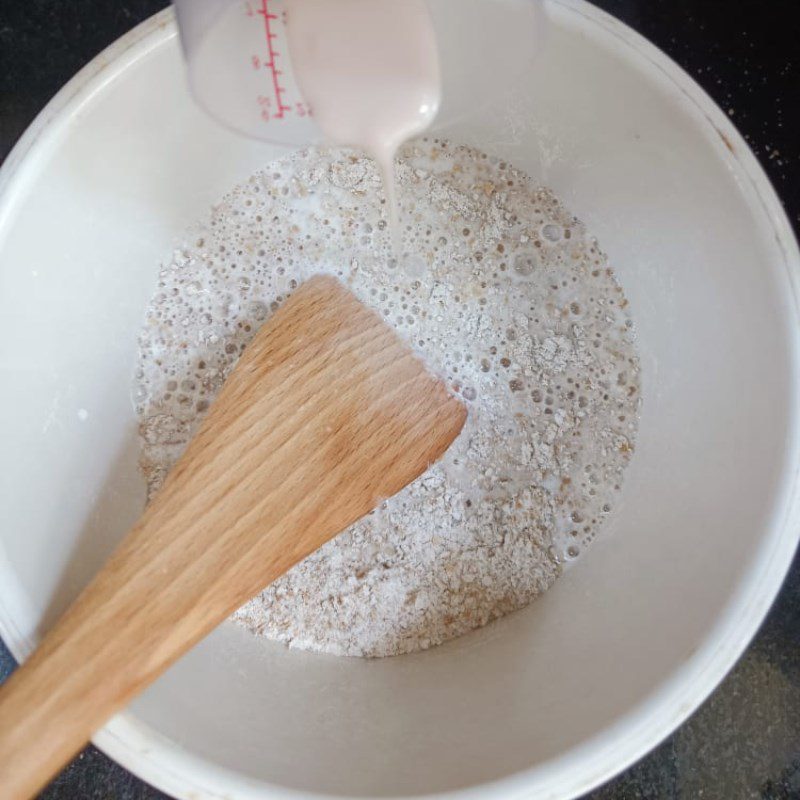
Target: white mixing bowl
{"x": 548, "y": 702}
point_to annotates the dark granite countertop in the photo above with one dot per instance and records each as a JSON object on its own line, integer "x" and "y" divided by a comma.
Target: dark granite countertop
{"x": 745, "y": 740}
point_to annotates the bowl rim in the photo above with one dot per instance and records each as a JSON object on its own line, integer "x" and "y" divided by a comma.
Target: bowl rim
{"x": 164, "y": 764}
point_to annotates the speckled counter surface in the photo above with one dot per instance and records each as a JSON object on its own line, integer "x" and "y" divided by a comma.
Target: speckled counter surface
{"x": 745, "y": 741}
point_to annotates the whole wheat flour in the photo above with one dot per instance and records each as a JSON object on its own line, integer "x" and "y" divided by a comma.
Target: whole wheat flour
{"x": 504, "y": 293}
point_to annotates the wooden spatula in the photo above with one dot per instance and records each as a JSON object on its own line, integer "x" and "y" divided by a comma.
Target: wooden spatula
{"x": 326, "y": 414}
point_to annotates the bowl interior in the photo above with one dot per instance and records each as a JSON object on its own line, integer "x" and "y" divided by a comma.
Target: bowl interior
{"x": 553, "y": 698}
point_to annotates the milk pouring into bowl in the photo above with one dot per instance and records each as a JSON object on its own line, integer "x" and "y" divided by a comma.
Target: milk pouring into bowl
{"x": 368, "y": 75}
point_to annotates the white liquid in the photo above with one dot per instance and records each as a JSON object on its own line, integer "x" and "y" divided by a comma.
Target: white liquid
{"x": 370, "y": 71}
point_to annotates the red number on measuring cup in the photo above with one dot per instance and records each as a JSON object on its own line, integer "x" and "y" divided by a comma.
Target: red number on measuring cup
{"x": 248, "y": 9}
{"x": 255, "y": 61}
{"x": 265, "y": 103}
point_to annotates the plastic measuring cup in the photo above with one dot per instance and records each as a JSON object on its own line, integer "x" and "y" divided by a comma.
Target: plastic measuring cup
{"x": 240, "y": 69}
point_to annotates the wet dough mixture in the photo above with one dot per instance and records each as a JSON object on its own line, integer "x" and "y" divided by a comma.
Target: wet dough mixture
{"x": 505, "y": 294}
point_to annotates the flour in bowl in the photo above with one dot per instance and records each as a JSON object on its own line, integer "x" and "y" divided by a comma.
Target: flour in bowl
{"x": 505, "y": 295}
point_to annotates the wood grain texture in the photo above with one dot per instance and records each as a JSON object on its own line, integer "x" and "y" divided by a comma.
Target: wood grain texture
{"x": 326, "y": 414}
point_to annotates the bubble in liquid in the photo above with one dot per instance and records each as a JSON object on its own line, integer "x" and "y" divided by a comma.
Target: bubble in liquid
{"x": 551, "y": 232}
{"x": 525, "y": 264}
{"x": 258, "y": 310}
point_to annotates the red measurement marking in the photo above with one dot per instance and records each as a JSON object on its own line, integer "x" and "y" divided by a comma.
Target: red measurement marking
{"x": 273, "y": 55}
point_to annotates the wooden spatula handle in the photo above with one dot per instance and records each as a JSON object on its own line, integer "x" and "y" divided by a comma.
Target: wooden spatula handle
{"x": 326, "y": 414}
{"x": 117, "y": 638}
